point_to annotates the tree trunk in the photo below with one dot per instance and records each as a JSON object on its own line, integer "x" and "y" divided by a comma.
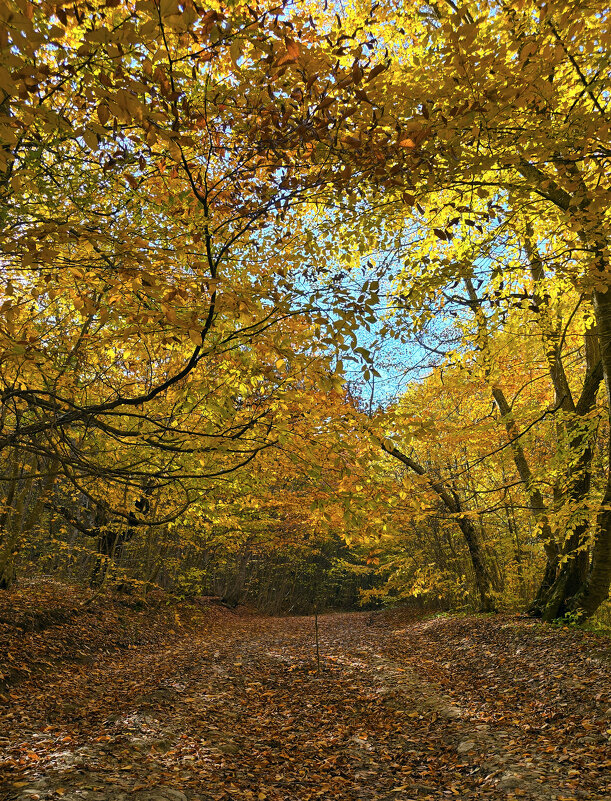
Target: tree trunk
{"x": 8, "y": 539}
{"x": 572, "y": 573}
{"x": 538, "y": 604}
{"x": 582, "y": 585}
{"x": 483, "y": 579}
{"x": 594, "y": 590}
{"x": 571, "y": 567}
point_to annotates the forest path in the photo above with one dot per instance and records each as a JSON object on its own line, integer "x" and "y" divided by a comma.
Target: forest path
{"x": 402, "y": 709}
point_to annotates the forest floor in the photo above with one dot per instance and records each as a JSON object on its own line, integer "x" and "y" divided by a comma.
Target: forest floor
{"x": 197, "y": 703}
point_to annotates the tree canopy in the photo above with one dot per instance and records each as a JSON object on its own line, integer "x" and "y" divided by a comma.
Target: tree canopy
{"x": 307, "y": 304}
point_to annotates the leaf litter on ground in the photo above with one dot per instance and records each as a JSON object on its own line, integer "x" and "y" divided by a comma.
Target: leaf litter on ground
{"x": 194, "y": 702}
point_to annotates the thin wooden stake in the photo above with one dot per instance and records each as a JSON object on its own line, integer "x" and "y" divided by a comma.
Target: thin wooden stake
{"x": 317, "y": 644}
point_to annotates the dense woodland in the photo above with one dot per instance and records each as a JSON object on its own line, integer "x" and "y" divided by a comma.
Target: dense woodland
{"x": 308, "y": 306}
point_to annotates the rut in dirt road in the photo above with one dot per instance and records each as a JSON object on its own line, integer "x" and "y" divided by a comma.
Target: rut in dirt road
{"x": 242, "y": 714}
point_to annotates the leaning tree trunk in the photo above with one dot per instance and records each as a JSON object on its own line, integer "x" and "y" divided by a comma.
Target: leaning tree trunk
{"x": 483, "y": 579}
{"x": 563, "y": 399}
{"x": 567, "y": 568}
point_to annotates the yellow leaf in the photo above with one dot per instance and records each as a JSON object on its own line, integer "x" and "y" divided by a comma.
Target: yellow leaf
{"x": 235, "y": 50}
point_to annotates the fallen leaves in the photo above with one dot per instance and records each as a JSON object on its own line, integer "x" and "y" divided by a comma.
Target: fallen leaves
{"x": 424, "y": 710}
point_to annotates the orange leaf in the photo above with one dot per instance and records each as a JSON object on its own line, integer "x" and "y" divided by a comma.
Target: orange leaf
{"x": 292, "y": 49}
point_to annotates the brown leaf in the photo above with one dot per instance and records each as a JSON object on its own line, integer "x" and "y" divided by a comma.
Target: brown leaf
{"x": 103, "y": 113}
{"x": 376, "y": 71}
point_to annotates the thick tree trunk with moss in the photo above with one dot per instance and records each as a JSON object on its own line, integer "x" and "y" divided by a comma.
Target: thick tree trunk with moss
{"x": 594, "y": 590}
{"x": 556, "y": 601}
{"x": 552, "y": 561}
{"x": 583, "y": 581}
{"x": 575, "y": 590}
{"x": 573, "y": 561}
{"x": 8, "y": 574}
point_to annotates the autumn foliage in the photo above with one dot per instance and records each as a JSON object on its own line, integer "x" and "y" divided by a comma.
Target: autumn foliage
{"x": 303, "y": 305}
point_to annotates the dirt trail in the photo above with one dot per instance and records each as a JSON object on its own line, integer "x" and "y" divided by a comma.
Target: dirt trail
{"x": 240, "y": 713}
